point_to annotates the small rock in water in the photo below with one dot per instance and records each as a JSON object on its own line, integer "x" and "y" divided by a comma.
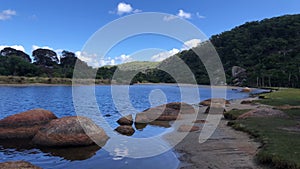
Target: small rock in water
{"x": 107, "y": 115}
{"x": 126, "y": 120}
{"x": 125, "y": 130}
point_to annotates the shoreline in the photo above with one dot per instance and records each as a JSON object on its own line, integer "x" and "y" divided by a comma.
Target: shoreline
{"x": 139, "y": 84}
{"x": 226, "y": 148}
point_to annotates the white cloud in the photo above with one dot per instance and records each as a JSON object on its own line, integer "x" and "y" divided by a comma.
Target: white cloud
{"x": 124, "y": 59}
{"x": 17, "y": 47}
{"x": 84, "y": 57}
{"x": 190, "y": 44}
{"x": 184, "y": 15}
{"x": 57, "y": 51}
{"x": 93, "y": 59}
{"x": 200, "y": 16}
{"x": 106, "y": 61}
{"x": 78, "y": 54}
{"x": 186, "y": 45}
{"x": 170, "y": 17}
{"x": 7, "y": 14}
{"x": 164, "y": 55}
{"x": 124, "y": 8}
{"x": 137, "y": 11}
{"x": 35, "y": 47}
{"x": 180, "y": 14}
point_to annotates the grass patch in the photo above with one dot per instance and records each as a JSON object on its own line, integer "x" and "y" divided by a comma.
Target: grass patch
{"x": 284, "y": 96}
{"x": 281, "y": 147}
{"x": 234, "y": 114}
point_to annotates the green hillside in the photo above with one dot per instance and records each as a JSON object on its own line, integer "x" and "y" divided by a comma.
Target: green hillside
{"x": 269, "y": 50}
{"x": 138, "y": 65}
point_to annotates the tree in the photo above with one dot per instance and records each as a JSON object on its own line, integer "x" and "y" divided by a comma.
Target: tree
{"x": 45, "y": 57}
{"x": 16, "y": 66}
{"x": 8, "y": 51}
{"x": 68, "y": 59}
{"x": 67, "y": 63}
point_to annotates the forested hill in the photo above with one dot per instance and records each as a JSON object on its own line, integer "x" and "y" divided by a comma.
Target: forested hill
{"x": 269, "y": 50}
{"x": 264, "y": 53}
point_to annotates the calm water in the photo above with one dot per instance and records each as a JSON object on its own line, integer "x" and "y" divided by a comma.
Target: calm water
{"x": 58, "y": 99}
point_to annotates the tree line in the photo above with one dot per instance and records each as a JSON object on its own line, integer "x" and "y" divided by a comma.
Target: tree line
{"x": 269, "y": 50}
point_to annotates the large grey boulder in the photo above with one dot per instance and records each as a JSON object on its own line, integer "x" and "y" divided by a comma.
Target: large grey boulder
{"x": 239, "y": 75}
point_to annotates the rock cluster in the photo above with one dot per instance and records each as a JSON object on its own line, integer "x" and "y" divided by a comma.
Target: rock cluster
{"x": 160, "y": 116}
{"x": 43, "y": 128}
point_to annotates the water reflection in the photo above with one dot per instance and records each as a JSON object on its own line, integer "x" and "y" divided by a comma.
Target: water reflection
{"x": 68, "y": 153}
{"x": 73, "y": 153}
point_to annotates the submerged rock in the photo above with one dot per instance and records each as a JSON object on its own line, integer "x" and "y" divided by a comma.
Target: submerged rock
{"x": 125, "y": 130}
{"x": 18, "y": 165}
{"x": 165, "y": 124}
{"x": 69, "y": 131}
{"x": 24, "y": 125}
{"x": 140, "y": 126}
{"x": 184, "y": 108}
{"x": 126, "y": 120}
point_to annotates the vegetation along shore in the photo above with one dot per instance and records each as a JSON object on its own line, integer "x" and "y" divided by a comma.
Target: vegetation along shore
{"x": 275, "y": 123}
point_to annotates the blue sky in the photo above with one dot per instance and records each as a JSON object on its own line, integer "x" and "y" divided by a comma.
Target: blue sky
{"x": 68, "y": 24}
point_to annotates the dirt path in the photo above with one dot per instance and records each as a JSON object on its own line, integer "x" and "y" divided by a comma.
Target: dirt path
{"x": 226, "y": 149}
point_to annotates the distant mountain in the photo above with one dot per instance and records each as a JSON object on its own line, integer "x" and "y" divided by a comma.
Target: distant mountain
{"x": 138, "y": 65}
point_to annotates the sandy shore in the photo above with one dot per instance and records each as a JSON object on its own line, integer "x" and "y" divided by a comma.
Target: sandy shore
{"x": 225, "y": 149}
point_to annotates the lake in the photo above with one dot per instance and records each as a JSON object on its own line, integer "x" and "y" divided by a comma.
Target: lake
{"x": 59, "y": 100}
